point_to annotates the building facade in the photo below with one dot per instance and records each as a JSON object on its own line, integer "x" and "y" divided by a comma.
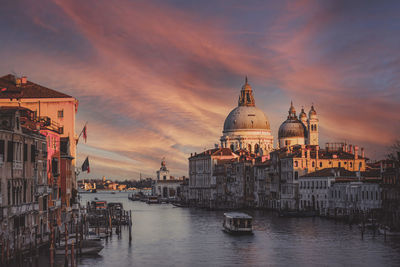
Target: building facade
{"x": 55, "y": 107}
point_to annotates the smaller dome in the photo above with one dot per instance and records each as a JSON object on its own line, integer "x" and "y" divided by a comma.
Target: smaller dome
{"x": 292, "y": 128}
{"x": 312, "y": 112}
{"x": 302, "y": 114}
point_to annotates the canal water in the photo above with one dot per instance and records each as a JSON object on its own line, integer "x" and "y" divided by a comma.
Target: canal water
{"x": 164, "y": 235}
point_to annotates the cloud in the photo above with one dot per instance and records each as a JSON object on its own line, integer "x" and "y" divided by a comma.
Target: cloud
{"x": 157, "y": 79}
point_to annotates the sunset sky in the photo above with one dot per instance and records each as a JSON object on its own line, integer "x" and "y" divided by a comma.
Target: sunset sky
{"x": 157, "y": 78}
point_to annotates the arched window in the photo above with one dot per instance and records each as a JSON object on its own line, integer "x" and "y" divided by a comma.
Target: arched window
{"x": 232, "y": 147}
{"x": 313, "y": 164}
{"x": 256, "y": 148}
{"x": 296, "y": 164}
{"x": 249, "y": 148}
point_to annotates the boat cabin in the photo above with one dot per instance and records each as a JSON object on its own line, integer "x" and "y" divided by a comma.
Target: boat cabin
{"x": 237, "y": 222}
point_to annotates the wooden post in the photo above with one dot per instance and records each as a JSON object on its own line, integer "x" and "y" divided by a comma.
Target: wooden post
{"x": 110, "y": 219}
{"x": 66, "y": 246}
{"x": 130, "y": 226}
{"x": 77, "y": 236}
{"x": 72, "y": 255}
{"x": 52, "y": 246}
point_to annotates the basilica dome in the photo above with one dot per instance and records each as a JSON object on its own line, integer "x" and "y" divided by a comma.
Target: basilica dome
{"x": 245, "y": 118}
{"x": 292, "y": 128}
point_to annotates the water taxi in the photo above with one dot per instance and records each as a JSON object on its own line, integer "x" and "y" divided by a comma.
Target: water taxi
{"x": 238, "y": 223}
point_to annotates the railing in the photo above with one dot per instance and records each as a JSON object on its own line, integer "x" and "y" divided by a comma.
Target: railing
{"x": 23, "y": 208}
{"x": 17, "y": 165}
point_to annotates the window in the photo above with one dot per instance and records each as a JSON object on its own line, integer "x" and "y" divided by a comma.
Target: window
{"x": 320, "y": 164}
{"x": 2, "y": 150}
{"x": 313, "y": 164}
{"x": 61, "y": 130}
{"x": 296, "y": 175}
{"x": 33, "y": 153}
{"x": 60, "y": 113}
{"x": 164, "y": 177}
{"x": 339, "y": 164}
{"x": 10, "y": 151}
{"x": 351, "y": 164}
{"x": 296, "y": 163}
{"x": 25, "y": 152}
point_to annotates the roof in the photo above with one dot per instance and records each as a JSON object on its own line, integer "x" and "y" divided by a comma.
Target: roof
{"x": 330, "y": 172}
{"x": 238, "y": 215}
{"x": 322, "y": 153}
{"x": 28, "y": 90}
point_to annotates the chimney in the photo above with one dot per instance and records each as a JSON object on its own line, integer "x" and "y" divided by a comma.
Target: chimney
{"x": 350, "y": 149}
{"x": 346, "y": 148}
{"x": 362, "y": 153}
{"x": 303, "y": 151}
{"x": 23, "y": 80}
{"x": 355, "y": 152}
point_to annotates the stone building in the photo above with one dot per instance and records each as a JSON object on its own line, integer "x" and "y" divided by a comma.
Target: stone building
{"x": 46, "y": 103}
{"x": 289, "y": 163}
{"x": 166, "y": 186}
{"x": 247, "y": 127}
{"x": 23, "y": 179}
{"x": 202, "y": 181}
{"x": 314, "y": 188}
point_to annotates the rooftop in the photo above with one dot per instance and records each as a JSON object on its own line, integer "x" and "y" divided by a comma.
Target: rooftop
{"x": 10, "y": 89}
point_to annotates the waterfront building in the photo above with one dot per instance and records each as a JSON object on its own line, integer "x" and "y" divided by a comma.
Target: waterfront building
{"x": 351, "y": 195}
{"x": 390, "y": 171}
{"x": 299, "y": 131}
{"x": 247, "y": 127}
{"x": 202, "y": 181}
{"x": 314, "y": 188}
{"x": 166, "y": 186}
{"x": 23, "y": 179}
{"x": 46, "y": 103}
{"x": 289, "y": 163}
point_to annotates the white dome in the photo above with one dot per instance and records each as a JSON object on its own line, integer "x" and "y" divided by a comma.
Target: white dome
{"x": 246, "y": 118}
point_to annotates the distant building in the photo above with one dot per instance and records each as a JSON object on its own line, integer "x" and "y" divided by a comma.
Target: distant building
{"x": 166, "y": 186}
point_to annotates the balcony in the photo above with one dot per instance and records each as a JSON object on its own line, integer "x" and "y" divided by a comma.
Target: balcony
{"x": 23, "y": 208}
{"x": 17, "y": 165}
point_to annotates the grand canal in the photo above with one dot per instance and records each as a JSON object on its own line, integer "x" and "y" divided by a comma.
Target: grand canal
{"x": 164, "y": 235}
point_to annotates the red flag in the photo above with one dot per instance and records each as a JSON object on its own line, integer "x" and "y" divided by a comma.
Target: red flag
{"x": 84, "y": 133}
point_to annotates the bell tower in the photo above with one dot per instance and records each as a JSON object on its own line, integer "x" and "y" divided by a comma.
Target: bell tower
{"x": 313, "y": 127}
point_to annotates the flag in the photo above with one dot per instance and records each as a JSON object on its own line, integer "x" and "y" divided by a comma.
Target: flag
{"x": 84, "y": 133}
{"x": 85, "y": 165}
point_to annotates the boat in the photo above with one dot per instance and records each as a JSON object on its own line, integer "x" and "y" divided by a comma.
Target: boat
{"x": 89, "y": 247}
{"x": 237, "y": 223}
{"x": 369, "y": 224}
{"x": 385, "y": 230}
{"x": 153, "y": 200}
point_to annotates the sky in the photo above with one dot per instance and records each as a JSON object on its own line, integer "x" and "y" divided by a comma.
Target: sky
{"x": 157, "y": 79}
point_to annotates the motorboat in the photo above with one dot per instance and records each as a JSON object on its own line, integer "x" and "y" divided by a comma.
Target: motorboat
{"x": 237, "y": 223}
{"x": 89, "y": 247}
{"x": 385, "y": 230}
